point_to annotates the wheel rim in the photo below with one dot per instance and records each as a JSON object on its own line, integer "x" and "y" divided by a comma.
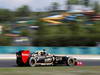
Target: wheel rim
{"x": 32, "y": 61}
{"x": 71, "y": 62}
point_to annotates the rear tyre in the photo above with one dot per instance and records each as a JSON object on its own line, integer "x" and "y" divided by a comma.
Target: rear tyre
{"x": 32, "y": 62}
{"x": 70, "y": 61}
{"x": 19, "y": 62}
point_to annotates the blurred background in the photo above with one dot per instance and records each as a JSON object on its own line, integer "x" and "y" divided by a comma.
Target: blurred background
{"x": 49, "y": 23}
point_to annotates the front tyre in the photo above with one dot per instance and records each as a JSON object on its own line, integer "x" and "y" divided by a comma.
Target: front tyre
{"x": 70, "y": 61}
{"x": 32, "y": 62}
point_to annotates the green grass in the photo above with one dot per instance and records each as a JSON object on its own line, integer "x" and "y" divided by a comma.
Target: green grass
{"x": 59, "y": 70}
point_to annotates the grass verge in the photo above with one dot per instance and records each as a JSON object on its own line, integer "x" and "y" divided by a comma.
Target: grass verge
{"x": 58, "y": 70}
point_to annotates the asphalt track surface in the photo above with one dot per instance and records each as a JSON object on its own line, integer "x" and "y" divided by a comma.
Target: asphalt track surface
{"x": 12, "y": 63}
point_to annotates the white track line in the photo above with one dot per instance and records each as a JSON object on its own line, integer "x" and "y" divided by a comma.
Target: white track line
{"x": 7, "y": 56}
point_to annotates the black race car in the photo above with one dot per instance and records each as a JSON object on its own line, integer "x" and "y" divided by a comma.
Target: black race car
{"x": 24, "y": 58}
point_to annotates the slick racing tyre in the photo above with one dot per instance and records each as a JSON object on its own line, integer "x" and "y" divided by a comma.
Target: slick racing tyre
{"x": 70, "y": 61}
{"x": 19, "y": 62}
{"x": 32, "y": 62}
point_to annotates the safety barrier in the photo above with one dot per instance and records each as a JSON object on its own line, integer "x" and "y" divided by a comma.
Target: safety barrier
{"x": 52, "y": 50}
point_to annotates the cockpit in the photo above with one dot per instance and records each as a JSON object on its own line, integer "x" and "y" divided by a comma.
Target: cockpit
{"x": 41, "y": 53}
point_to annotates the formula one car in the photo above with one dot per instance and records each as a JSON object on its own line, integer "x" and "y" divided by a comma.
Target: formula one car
{"x": 24, "y": 57}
